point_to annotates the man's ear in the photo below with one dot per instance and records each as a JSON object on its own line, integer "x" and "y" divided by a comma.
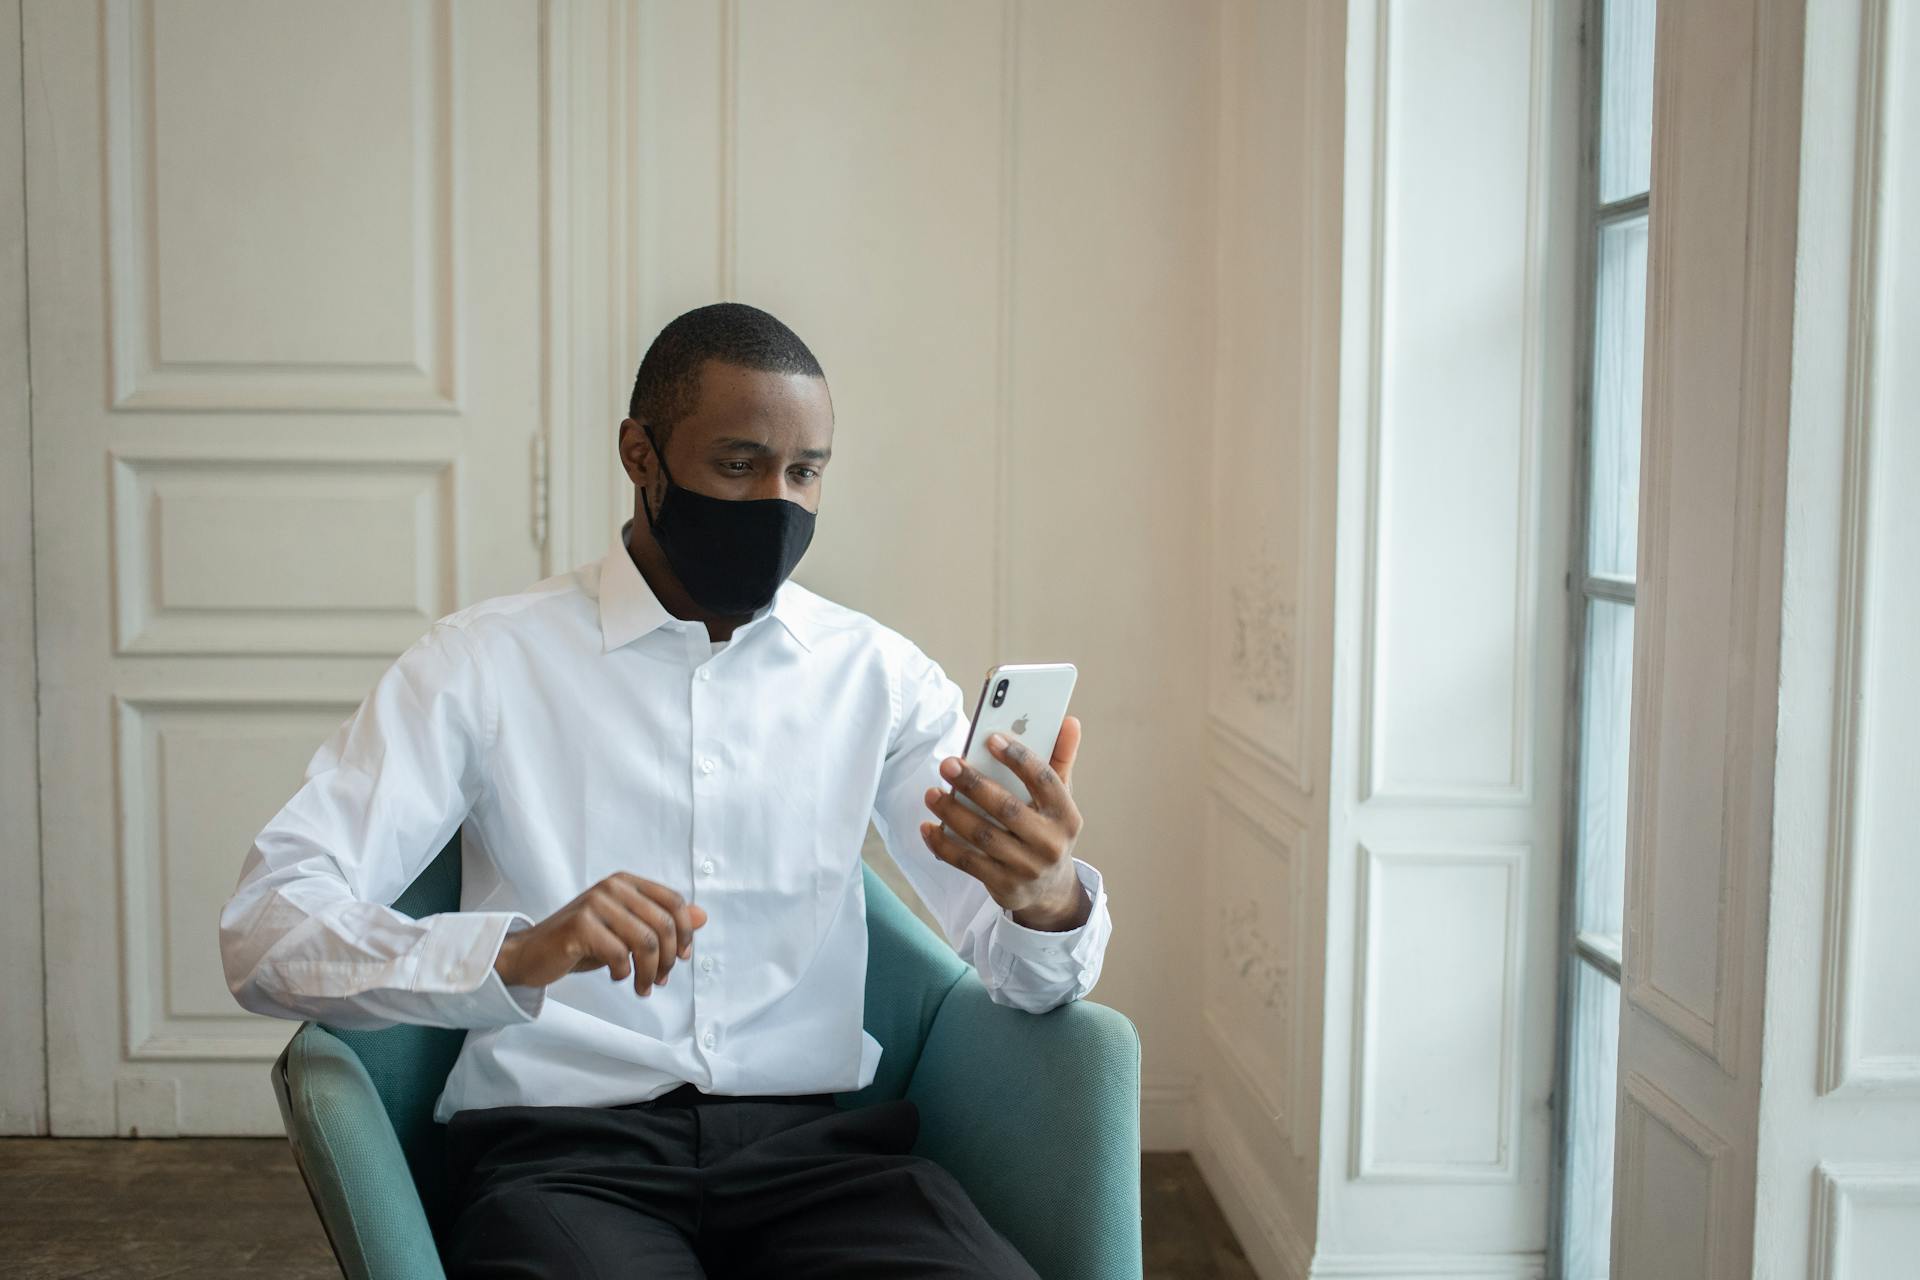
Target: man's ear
{"x": 635, "y": 453}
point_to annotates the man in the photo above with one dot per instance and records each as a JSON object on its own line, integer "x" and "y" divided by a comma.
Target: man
{"x": 662, "y": 766}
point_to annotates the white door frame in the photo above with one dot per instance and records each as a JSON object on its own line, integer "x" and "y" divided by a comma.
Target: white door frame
{"x": 23, "y": 1027}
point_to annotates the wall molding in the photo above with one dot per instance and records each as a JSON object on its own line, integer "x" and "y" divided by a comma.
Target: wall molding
{"x": 1377, "y": 786}
{"x": 1364, "y": 1165}
{"x": 1248, "y": 1198}
{"x": 152, "y": 1030}
{"x": 1283, "y": 838}
{"x": 424, "y": 486}
{"x": 1842, "y": 1067}
{"x": 1640, "y": 1094}
{"x": 1293, "y": 615}
{"x": 1166, "y": 1112}
{"x": 1409, "y": 1266}
{"x": 1840, "y": 1190}
{"x": 138, "y": 379}
{"x": 1253, "y": 779}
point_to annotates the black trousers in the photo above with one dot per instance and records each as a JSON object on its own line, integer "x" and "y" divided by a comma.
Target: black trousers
{"x": 696, "y": 1184}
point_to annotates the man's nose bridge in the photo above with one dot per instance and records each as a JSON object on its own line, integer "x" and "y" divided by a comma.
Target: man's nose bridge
{"x": 776, "y": 486}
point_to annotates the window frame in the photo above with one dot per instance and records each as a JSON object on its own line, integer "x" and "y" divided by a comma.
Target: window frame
{"x": 1582, "y": 587}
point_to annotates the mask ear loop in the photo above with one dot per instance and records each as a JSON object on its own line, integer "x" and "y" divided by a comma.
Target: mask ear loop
{"x": 660, "y": 456}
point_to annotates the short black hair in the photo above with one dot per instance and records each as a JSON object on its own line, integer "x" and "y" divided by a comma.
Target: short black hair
{"x": 668, "y": 385}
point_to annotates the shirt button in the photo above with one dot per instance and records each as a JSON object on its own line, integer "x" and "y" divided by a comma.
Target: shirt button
{"x": 706, "y": 868}
{"x": 706, "y": 964}
{"x": 707, "y": 1039}
{"x": 706, "y": 673}
{"x": 706, "y": 766}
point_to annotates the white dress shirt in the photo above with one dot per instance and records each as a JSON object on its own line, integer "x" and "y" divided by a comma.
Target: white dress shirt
{"x": 577, "y": 729}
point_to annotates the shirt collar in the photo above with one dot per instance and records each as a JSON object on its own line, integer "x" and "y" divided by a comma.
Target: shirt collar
{"x": 629, "y": 608}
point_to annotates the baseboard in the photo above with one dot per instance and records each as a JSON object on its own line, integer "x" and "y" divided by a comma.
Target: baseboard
{"x": 1166, "y": 1114}
{"x": 1252, "y": 1204}
{"x": 1419, "y": 1266}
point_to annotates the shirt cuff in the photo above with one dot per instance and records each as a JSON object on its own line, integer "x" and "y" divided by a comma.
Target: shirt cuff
{"x": 457, "y": 960}
{"x": 1043, "y": 947}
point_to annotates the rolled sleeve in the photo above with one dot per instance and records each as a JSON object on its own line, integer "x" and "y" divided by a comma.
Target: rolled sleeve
{"x": 1026, "y": 968}
{"x": 307, "y": 934}
{"x": 457, "y": 959}
{"x": 1040, "y": 970}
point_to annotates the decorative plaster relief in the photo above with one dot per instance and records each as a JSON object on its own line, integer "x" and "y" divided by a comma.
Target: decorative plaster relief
{"x": 1263, "y": 632}
{"x": 1256, "y": 960}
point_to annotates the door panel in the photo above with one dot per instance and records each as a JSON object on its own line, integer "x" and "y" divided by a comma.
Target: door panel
{"x": 287, "y": 317}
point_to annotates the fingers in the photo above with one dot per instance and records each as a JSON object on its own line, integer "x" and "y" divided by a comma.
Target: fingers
{"x": 647, "y": 921}
{"x": 1015, "y": 814}
{"x": 1008, "y": 849}
{"x": 951, "y": 849}
{"x": 600, "y": 945}
{"x": 648, "y": 893}
{"x": 636, "y": 935}
{"x": 660, "y": 920}
{"x": 1044, "y": 783}
{"x": 1065, "y": 748}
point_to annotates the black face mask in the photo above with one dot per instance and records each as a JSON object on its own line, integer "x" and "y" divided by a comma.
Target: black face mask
{"x": 731, "y": 554}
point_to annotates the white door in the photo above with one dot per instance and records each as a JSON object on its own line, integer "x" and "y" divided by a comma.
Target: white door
{"x": 287, "y": 334}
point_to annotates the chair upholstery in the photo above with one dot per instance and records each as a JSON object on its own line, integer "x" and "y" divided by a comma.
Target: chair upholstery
{"x": 1037, "y": 1115}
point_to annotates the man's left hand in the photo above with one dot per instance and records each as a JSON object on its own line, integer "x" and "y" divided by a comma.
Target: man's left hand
{"x": 1028, "y": 866}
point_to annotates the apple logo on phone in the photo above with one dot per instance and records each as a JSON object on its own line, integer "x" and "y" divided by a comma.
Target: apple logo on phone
{"x": 1020, "y": 725}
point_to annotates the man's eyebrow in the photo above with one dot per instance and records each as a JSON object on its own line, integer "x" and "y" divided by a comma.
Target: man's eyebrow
{"x": 739, "y": 444}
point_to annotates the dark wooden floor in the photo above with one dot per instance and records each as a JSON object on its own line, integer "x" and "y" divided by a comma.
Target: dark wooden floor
{"x": 234, "y": 1207}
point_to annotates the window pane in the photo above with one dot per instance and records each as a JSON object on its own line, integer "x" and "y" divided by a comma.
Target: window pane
{"x": 1620, "y": 323}
{"x": 1595, "y": 1052}
{"x": 1626, "y": 99}
{"x": 1608, "y": 700}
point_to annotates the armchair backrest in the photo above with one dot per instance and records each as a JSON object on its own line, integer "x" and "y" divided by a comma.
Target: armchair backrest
{"x": 910, "y": 969}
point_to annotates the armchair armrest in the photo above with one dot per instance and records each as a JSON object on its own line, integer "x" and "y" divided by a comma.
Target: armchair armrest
{"x": 353, "y": 1164}
{"x": 1038, "y": 1116}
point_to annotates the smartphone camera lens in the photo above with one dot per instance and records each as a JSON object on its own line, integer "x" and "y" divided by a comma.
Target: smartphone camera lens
{"x": 1000, "y": 693}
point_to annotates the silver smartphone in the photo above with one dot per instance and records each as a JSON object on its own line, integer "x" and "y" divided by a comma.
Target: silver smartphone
{"x": 1026, "y": 701}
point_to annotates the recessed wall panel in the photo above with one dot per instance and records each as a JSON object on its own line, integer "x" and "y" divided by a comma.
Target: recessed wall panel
{"x": 867, "y": 145}
{"x": 274, "y": 556}
{"x": 1453, "y": 492}
{"x": 1867, "y": 1221}
{"x": 1253, "y": 965}
{"x": 200, "y": 777}
{"x": 1669, "y": 1187}
{"x": 273, "y": 248}
{"x": 1438, "y": 1021}
{"x": 1874, "y": 873}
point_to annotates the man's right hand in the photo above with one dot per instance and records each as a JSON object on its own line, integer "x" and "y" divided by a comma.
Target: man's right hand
{"x": 629, "y": 925}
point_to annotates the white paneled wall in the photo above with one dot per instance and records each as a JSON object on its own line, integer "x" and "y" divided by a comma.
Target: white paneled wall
{"x": 1838, "y": 1181}
{"x": 992, "y": 223}
{"x": 1261, "y": 923}
{"x": 1244, "y": 330}
{"x": 286, "y": 360}
{"x": 1449, "y": 647}
{"x": 23, "y": 1041}
{"x": 297, "y": 372}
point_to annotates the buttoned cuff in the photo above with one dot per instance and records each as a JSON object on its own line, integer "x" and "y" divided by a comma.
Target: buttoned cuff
{"x": 456, "y": 965}
{"x": 1050, "y": 949}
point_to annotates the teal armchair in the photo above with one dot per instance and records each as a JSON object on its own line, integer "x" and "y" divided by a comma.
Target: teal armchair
{"x": 1037, "y": 1115}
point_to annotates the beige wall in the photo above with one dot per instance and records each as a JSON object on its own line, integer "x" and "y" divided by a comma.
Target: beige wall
{"x": 993, "y": 222}
{"x": 1256, "y": 1118}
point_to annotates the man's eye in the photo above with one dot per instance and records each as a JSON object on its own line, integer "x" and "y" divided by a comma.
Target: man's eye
{"x": 809, "y": 472}
{"x": 743, "y": 467}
